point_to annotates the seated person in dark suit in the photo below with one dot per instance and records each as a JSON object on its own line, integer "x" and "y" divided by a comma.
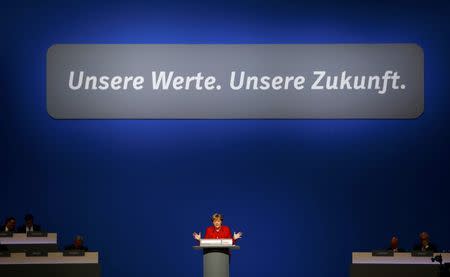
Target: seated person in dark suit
{"x": 3, "y": 248}
{"x": 425, "y": 244}
{"x": 78, "y": 244}
{"x": 10, "y": 225}
{"x": 395, "y": 245}
{"x": 29, "y": 225}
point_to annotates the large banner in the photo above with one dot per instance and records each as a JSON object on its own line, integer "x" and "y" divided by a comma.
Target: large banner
{"x": 241, "y": 81}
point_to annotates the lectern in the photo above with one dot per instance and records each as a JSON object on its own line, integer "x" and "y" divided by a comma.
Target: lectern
{"x": 216, "y": 257}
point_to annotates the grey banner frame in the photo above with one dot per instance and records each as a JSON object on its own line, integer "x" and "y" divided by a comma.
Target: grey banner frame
{"x": 219, "y": 60}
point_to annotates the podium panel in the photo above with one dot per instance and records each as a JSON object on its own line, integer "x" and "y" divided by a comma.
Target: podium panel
{"x": 394, "y": 270}
{"x": 216, "y": 259}
{"x": 216, "y": 264}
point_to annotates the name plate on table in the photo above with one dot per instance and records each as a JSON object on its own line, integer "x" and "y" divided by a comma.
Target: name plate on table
{"x": 36, "y": 253}
{"x": 36, "y": 234}
{"x": 5, "y": 254}
{"x": 216, "y": 242}
{"x": 422, "y": 254}
{"x": 383, "y": 253}
{"x": 6, "y": 234}
{"x": 73, "y": 253}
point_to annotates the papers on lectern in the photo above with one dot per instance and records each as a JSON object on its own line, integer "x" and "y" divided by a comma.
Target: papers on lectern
{"x": 216, "y": 242}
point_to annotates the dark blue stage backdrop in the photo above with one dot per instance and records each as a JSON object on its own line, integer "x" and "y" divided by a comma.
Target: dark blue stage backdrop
{"x": 306, "y": 193}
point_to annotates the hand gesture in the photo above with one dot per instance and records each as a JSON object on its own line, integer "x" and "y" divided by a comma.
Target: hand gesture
{"x": 197, "y": 236}
{"x": 237, "y": 236}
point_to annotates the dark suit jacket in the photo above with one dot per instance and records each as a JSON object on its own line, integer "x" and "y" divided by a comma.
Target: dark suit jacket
{"x": 431, "y": 247}
{"x": 23, "y": 228}
{"x": 398, "y": 249}
{"x": 2, "y": 229}
{"x": 72, "y": 247}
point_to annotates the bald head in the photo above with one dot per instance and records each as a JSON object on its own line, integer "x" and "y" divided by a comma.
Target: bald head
{"x": 424, "y": 239}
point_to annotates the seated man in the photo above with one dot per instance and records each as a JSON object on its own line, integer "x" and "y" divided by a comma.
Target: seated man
{"x": 10, "y": 225}
{"x": 425, "y": 244}
{"x": 29, "y": 225}
{"x": 78, "y": 244}
{"x": 395, "y": 245}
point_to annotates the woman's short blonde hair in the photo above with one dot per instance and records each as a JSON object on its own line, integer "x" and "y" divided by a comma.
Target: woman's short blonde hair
{"x": 216, "y": 216}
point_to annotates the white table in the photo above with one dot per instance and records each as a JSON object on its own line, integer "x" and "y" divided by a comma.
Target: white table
{"x": 399, "y": 265}
{"x": 398, "y": 258}
{"x": 55, "y": 264}
{"x": 21, "y": 238}
{"x": 52, "y": 258}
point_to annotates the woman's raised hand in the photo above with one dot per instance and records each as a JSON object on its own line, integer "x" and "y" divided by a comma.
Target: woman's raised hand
{"x": 197, "y": 236}
{"x": 237, "y": 236}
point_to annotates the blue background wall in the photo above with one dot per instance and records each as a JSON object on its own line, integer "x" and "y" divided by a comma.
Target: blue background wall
{"x": 306, "y": 193}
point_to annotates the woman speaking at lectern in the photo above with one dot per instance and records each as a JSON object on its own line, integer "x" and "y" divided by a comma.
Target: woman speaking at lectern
{"x": 218, "y": 231}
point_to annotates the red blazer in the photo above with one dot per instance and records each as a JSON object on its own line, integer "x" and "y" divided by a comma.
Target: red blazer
{"x": 223, "y": 233}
